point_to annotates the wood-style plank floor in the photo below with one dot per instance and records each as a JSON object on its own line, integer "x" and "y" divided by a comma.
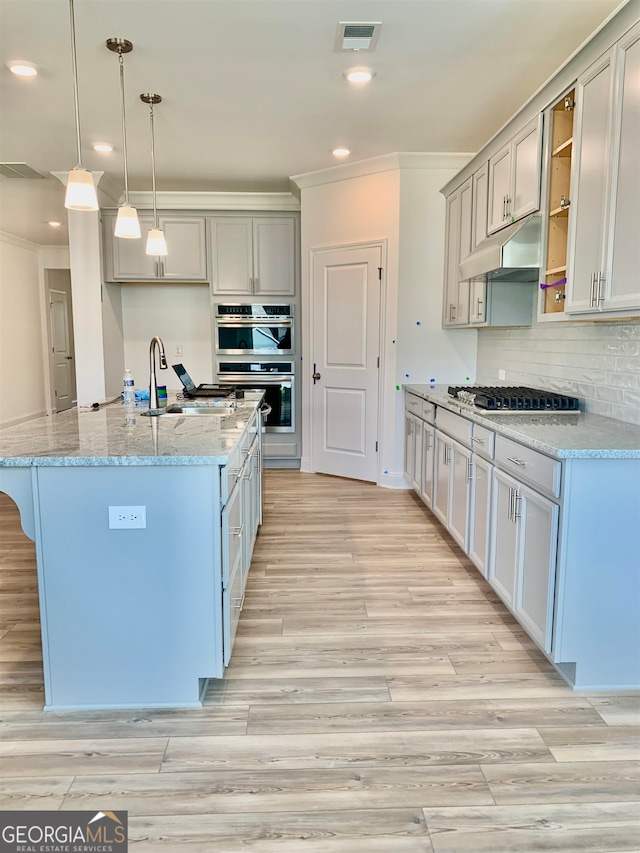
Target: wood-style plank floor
{"x": 380, "y": 699}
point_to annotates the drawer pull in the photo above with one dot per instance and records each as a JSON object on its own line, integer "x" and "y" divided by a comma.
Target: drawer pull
{"x": 516, "y": 461}
{"x": 477, "y": 440}
{"x": 236, "y": 531}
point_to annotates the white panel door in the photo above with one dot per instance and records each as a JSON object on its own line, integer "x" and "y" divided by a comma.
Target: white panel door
{"x": 479, "y": 513}
{"x": 460, "y": 461}
{"x": 504, "y": 537}
{"x": 499, "y": 187}
{"x": 428, "y": 450}
{"x": 418, "y": 447}
{"x": 346, "y": 350}
{"x": 231, "y": 255}
{"x": 527, "y": 147}
{"x": 441, "y": 476}
{"x": 537, "y": 520}
{"x": 274, "y": 256}
{"x": 624, "y": 279}
{"x": 590, "y": 166}
{"x": 64, "y": 377}
{"x": 186, "y": 258}
{"x": 480, "y": 201}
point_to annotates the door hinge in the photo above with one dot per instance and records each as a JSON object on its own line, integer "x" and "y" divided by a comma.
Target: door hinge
{"x": 380, "y": 273}
{"x": 376, "y": 446}
{"x": 378, "y": 362}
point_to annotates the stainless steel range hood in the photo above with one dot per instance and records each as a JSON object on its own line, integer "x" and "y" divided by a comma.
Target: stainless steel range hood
{"x": 513, "y": 254}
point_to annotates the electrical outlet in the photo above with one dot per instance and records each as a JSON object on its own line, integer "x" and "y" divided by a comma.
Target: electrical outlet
{"x": 502, "y": 374}
{"x": 127, "y": 517}
{"x": 179, "y": 349}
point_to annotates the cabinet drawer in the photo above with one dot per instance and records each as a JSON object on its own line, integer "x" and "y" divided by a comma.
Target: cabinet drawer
{"x": 455, "y": 426}
{"x": 483, "y": 441}
{"x": 229, "y": 474}
{"x": 420, "y": 408}
{"x": 528, "y": 465}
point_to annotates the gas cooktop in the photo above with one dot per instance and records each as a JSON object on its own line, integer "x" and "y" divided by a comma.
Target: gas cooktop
{"x": 510, "y": 399}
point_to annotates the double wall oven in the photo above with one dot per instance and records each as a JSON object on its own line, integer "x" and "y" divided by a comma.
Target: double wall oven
{"x": 254, "y": 349}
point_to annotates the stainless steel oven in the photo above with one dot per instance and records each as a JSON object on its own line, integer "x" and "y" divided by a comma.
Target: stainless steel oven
{"x": 262, "y": 330}
{"x": 275, "y": 378}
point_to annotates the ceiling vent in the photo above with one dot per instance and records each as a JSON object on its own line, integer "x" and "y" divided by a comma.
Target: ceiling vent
{"x": 353, "y": 36}
{"x": 18, "y": 170}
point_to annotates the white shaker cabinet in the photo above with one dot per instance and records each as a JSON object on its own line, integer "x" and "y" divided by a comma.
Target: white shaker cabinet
{"x": 428, "y": 450}
{"x": 604, "y": 251}
{"x": 522, "y": 565}
{"x": 186, "y": 258}
{"x": 458, "y": 246}
{"x": 480, "y": 512}
{"x": 451, "y": 478}
{"x": 253, "y": 255}
{"x": 514, "y": 177}
{"x": 480, "y": 205}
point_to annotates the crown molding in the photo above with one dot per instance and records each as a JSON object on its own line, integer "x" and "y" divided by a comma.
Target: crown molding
{"x": 20, "y": 242}
{"x": 215, "y": 201}
{"x": 384, "y": 163}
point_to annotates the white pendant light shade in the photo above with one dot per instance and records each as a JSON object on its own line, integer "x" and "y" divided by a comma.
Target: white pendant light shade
{"x": 156, "y": 244}
{"x": 127, "y": 224}
{"x": 81, "y": 191}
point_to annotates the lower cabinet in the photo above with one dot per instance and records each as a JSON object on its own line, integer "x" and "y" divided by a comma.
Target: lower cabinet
{"x": 522, "y": 564}
{"x": 240, "y": 523}
{"x": 428, "y": 456}
{"x": 480, "y": 512}
{"x": 451, "y": 479}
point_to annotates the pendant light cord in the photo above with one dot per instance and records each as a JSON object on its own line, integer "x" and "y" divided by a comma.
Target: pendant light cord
{"x": 74, "y": 65}
{"x": 124, "y": 129}
{"x": 153, "y": 168}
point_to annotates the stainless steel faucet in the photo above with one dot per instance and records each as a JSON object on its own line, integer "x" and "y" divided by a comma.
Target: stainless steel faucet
{"x": 154, "y": 403}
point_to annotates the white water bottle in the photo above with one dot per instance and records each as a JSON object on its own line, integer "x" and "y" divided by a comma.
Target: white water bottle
{"x": 129, "y": 394}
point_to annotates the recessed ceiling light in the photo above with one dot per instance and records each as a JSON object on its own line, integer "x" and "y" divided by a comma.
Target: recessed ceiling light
{"x": 341, "y": 152}
{"x": 54, "y": 223}
{"x": 359, "y": 75}
{"x": 21, "y": 68}
{"x": 103, "y": 147}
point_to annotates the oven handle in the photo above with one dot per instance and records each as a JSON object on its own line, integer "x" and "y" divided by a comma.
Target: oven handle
{"x": 256, "y": 321}
{"x": 243, "y": 379}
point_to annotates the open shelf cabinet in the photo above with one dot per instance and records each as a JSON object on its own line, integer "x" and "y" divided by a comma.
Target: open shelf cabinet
{"x": 559, "y": 199}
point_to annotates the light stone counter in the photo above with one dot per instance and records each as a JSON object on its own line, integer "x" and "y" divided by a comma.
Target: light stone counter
{"x": 111, "y": 436}
{"x": 578, "y": 436}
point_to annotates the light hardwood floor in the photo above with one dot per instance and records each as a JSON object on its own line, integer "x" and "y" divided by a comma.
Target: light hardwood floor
{"x": 380, "y": 699}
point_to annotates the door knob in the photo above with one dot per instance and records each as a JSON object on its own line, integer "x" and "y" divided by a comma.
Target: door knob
{"x": 315, "y": 375}
{"x": 69, "y": 357}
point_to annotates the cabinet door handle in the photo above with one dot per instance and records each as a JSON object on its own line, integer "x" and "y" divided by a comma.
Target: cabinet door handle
{"x": 504, "y": 206}
{"x": 237, "y": 531}
{"x": 516, "y": 461}
{"x": 477, "y": 440}
{"x": 600, "y": 291}
{"x": 453, "y": 312}
{"x": 478, "y": 311}
{"x": 592, "y": 300}
{"x": 510, "y": 509}
{"x": 469, "y": 470}
{"x": 427, "y": 447}
{"x": 517, "y": 506}
{"x": 508, "y": 207}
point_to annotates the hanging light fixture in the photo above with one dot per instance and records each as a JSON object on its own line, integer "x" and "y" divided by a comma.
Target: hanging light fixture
{"x": 127, "y": 224}
{"x": 156, "y": 244}
{"x": 81, "y": 191}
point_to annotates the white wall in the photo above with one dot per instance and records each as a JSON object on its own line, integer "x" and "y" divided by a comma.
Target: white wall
{"x": 180, "y": 314}
{"x": 112, "y": 339}
{"x": 402, "y": 206}
{"x": 22, "y": 358}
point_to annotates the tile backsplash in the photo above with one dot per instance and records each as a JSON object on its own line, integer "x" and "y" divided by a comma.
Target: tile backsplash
{"x": 597, "y": 362}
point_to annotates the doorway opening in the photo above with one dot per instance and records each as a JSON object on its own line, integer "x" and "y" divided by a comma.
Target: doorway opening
{"x": 62, "y": 371}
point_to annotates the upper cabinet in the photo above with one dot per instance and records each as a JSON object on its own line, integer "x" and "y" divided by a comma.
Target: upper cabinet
{"x": 604, "y": 250}
{"x": 514, "y": 177}
{"x": 186, "y": 258}
{"x": 458, "y": 245}
{"x": 253, "y": 255}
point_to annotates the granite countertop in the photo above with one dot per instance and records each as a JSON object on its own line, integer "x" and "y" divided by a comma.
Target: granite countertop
{"x": 113, "y": 435}
{"x": 566, "y": 436}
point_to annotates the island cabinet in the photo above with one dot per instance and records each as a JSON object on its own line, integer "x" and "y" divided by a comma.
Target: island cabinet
{"x": 143, "y": 616}
{"x": 254, "y": 255}
{"x": 186, "y": 259}
{"x": 556, "y": 536}
{"x": 514, "y": 177}
{"x": 604, "y": 220}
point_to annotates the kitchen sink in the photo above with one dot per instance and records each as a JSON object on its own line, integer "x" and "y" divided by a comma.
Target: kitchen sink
{"x": 189, "y": 411}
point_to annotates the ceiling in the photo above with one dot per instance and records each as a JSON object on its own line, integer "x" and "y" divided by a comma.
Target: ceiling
{"x": 253, "y": 90}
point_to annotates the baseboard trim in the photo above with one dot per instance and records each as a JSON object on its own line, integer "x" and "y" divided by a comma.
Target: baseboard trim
{"x": 393, "y": 481}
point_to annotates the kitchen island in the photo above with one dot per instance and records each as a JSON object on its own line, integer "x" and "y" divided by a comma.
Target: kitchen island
{"x": 144, "y": 528}
{"x": 546, "y": 506}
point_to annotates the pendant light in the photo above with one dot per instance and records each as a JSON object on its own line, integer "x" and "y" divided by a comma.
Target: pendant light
{"x": 81, "y": 191}
{"x": 156, "y": 244}
{"x": 127, "y": 224}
